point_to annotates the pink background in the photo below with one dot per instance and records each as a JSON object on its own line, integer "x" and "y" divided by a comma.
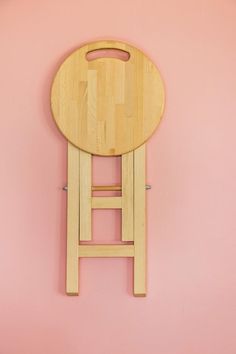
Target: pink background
{"x": 190, "y": 307}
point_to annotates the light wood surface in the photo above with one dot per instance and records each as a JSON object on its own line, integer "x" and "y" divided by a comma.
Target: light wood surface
{"x": 80, "y": 203}
{"x": 139, "y": 222}
{"x": 106, "y": 188}
{"x": 72, "y": 274}
{"x": 106, "y": 202}
{"x": 85, "y": 196}
{"x": 106, "y": 251}
{"x": 107, "y": 106}
{"x": 127, "y": 196}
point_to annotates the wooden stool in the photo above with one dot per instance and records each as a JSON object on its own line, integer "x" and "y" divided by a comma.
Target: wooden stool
{"x": 107, "y": 99}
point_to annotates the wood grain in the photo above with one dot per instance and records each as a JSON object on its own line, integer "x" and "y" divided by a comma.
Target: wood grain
{"x": 72, "y": 263}
{"x": 139, "y": 223}
{"x": 107, "y": 106}
{"x": 106, "y": 251}
{"x": 106, "y": 188}
{"x": 128, "y": 196}
{"x": 85, "y": 196}
{"x": 106, "y": 202}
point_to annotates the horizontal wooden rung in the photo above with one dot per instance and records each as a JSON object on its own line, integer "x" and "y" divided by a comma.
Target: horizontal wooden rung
{"x": 106, "y": 202}
{"x": 106, "y": 188}
{"x": 106, "y": 250}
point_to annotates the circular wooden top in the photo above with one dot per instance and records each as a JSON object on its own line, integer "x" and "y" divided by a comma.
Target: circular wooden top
{"x": 107, "y": 98}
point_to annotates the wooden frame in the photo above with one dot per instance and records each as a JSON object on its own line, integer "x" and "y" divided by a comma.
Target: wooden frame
{"x": 80, "y": 202}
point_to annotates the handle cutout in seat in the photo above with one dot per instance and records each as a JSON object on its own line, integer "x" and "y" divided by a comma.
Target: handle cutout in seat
{"x": 108, "y": 53}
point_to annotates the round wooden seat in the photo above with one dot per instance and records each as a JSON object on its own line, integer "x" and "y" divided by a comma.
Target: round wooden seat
{"x": 107, "y": 98}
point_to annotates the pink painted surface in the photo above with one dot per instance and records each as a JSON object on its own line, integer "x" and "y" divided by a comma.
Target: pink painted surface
{"x": 190, "y": 307}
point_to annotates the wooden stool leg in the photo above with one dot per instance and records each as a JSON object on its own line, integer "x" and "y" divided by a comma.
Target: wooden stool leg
{"x": 85, "y": 196}
{"x": 128, "y": 196}
{"x": 72, "y": 262}
{"x": 139, "y": 222}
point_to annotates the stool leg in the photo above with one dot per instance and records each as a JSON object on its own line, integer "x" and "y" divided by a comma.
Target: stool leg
{"x": 139, "y": 222}
{"x": 85, "y": 196}
{"x": 72, "y": 262}
{"x": 128, "y": 196}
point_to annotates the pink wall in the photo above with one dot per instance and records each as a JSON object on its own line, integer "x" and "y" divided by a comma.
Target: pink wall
{"x": 190, "y": 307}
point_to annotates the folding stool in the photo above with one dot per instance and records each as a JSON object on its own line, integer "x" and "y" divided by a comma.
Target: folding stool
{"x": 107, "y": 99}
